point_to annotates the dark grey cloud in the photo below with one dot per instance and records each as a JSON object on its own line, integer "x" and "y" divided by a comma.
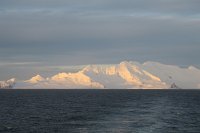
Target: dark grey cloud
{"x": 67, "y": 32}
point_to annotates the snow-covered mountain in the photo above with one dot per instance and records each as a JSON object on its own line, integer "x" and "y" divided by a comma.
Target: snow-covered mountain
{"x": 132, "y": 75}
{"x": 7, "y": 84}
{"x": 60, "y": 81}
{"x": 182, "y": 77}
{"x": 124, "y": 75}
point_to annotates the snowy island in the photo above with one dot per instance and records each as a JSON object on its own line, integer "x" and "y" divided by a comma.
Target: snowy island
{"x": 126, "y": 75}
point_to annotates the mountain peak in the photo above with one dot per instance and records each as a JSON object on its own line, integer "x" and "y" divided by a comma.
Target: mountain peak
{"x": 149, "y": 75}
{"x": 7, "y": 84}
{"x": 125, "y": 63}
{"x": 193, "y": 68}
{"x": 36, "y": 79}
{"x": 12, "y": 80}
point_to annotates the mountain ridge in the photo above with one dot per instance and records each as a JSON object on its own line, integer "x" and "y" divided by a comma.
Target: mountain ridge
{"x": 125, "y": 75}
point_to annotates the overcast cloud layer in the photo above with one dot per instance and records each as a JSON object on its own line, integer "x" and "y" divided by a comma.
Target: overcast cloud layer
{"x": 54, "y": 33}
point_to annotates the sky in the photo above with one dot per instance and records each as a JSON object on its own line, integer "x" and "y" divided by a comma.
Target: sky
{"x": 50, "y": 36}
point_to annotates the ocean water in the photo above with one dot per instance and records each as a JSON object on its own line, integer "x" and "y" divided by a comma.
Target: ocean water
{"x": 100, "y": 111}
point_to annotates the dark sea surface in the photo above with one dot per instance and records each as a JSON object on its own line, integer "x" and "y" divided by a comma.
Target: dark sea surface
{"x": 100, "y": 111}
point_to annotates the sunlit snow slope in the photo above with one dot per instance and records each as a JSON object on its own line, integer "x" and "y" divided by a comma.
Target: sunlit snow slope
{"x": 126, "y": 75}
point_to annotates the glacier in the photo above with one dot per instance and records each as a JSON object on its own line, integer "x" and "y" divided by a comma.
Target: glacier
{"x": 125, "y": 75}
